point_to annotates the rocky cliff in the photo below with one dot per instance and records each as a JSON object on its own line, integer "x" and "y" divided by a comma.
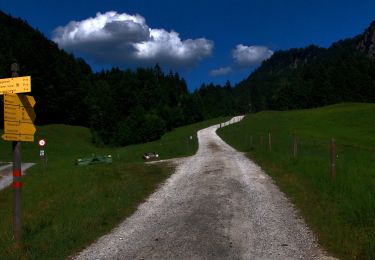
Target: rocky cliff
{"x": 367, "y": 44}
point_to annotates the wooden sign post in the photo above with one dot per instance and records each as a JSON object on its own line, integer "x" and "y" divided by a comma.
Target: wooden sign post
{"x": 17, "y": 174}
{"x": 19, "y": 127}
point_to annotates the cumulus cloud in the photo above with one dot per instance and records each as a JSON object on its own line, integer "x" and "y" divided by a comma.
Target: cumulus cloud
{"x": 124, "y": 39}
{"x": 246, "y": 56}
{"x": 221, "y": 71}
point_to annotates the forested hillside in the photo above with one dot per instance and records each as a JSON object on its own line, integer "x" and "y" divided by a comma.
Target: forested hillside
{"x": 130, "y": 106}
{"x": 59, "y": 81}
{"x": 121, "y": 107}
{"x": 313, "y": 76}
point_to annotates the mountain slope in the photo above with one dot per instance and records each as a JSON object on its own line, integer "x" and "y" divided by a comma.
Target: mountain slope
{"x": 367, "y": 43}
{"x": 313, "y": 76}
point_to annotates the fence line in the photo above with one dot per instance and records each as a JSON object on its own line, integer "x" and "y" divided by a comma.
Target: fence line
{"x": 295, "y": 151}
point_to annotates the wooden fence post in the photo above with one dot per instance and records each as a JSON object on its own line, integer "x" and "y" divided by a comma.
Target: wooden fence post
{"x": 269, "y": 141}
{"x": 295, "y": 146}
{"x": 333, "y": 158}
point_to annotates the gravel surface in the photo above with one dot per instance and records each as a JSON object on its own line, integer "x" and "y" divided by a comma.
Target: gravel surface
{"x": 217, "y": 205}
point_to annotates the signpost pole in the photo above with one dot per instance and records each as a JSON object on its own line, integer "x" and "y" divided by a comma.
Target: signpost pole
{"x": 42, "y": 154}
{"x": 17, "y": 183}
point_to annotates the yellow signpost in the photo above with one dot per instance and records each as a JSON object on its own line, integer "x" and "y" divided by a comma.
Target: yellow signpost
{"x": 15, "y": 85}
{"x": 19, "y": 117}
{"x": 19, "y": 126}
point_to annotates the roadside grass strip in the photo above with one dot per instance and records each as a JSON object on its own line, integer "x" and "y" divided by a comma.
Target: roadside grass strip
{"x": 66, "y": 207}
{"x": 340, "y": 210}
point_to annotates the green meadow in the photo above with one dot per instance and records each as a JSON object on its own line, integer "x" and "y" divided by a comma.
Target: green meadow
{"x": 66, "y": 207}
{"x": 341, "y": 210}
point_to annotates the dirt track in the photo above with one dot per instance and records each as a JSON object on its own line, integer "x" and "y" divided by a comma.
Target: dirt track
{"x": 217, "y": 205}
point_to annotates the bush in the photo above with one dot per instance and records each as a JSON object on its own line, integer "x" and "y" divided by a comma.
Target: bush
{"x": 152, "y": 128}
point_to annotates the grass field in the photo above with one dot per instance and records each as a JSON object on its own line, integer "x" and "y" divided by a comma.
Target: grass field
{"x": 341, "y": 211}
{"x": 65, "y": 207}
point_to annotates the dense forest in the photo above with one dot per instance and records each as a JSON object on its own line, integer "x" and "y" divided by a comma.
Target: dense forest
{"x": 130, "y": 106}
{"x": 60, "y": 82}
{"x": 120, "y": 106}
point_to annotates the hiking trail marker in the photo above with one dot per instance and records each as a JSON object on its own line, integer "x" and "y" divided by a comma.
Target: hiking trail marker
{"x": 15, "y": 85}
{"x": 19, "y": 118}
{"x": 19, "y": 127}
{"x": 42, "y": 142}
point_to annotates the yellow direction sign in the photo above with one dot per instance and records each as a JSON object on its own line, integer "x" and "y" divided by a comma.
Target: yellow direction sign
{"x": 19, "y": 108}
{"x": 15, "y": 85}
{"x": 19, "y": 116}
{"x": 19, "y": 128}
{"x": 21, "y": 138}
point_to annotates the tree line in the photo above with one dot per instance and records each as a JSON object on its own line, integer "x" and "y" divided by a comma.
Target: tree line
{"x": 123, "y": 107}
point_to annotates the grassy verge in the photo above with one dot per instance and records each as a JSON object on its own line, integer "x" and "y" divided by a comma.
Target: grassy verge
{"x": 66, "y": 207}
{"x": 174, "y": 144}
{"x": 340, "y": 211}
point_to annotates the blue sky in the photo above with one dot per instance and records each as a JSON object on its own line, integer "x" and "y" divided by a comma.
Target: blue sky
{"x": 205, "y": 41}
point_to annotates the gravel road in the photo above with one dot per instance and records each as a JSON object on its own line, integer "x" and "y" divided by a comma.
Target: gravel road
{"x": 217, "y": 205}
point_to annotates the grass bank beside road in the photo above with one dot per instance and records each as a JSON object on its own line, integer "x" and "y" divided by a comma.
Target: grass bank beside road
{"x": 341, "y": 211}
{"x": 66, "y": 207}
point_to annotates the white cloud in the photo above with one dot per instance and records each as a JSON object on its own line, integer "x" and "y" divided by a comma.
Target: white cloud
{"x": 246, "y": 56}
{"x": 127, "y": 39}
{"x": 221, "y": 71}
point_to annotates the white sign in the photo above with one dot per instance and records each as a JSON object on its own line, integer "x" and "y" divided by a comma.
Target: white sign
{"x": 42, "y": 142}
{"x": 41, "y": 153}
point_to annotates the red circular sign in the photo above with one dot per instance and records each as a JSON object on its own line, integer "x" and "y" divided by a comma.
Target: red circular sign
{"x": 42, "y": 142}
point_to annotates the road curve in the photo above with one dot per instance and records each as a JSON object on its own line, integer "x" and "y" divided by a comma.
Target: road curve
{"x": 217, "y": 205}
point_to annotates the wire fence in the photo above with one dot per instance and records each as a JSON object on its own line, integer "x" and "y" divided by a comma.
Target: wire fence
{"x": 339, "y": 172}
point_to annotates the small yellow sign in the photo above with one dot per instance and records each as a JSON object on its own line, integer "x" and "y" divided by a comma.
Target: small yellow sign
{"x": 19, "y": 108}
{"x": 21, "y": 138}
{"x": 21, "y": 128}
{"x": 15, "y": 85}
{"x": 19, "y": 117}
